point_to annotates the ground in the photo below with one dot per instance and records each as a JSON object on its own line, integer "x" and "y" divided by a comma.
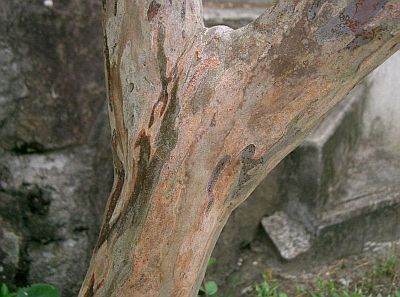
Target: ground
{"x": 373, "y": 273}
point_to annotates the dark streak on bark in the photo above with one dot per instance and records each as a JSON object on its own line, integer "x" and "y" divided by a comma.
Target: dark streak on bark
{"x": 115, "y": 7}
{"x": 105, "y": 230}
{"x": 149, "y": 170}
{"x": 108, "y": 70}
{"x": 162, "y": 65}
{"x": 148, "y": 173}
{"x": 247, "y": 155}
{"x": 150, "y": 166}
{"x": 394, "y": 46}
{"x": 89, "y": 292}
{"x": 314, "y": 9}
{"x": 153, "y": 10}
{"x": 213, "y": 179}
{"x": 364, "y": 38}
{"x": 115, "y": 195}
{"x": 213, "y": 122}
{"x": 183, "y": 10}
{"x": 247, "y": 161}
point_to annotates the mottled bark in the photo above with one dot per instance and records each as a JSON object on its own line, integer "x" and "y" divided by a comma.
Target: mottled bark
{"x": 200, "y": 116}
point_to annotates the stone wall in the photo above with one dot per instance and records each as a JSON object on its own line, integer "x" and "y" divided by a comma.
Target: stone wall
{"x": 55, "y": 160}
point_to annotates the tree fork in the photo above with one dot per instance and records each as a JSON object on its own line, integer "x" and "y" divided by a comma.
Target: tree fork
{"x": 200, "y": 116}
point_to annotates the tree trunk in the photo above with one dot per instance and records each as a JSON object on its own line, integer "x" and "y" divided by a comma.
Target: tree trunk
{"x": 200, "y": 116}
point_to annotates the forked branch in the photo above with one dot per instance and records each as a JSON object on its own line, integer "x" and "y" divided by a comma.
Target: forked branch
{"x": 200, "y": 116}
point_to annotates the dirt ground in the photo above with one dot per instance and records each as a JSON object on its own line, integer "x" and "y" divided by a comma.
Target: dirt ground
{"x": 376, "y": 272}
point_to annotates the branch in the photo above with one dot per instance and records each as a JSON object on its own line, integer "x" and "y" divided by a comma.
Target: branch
{"x": 292, "y": 65}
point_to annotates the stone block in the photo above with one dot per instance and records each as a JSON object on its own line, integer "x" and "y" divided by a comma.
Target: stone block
{"x": 288, "y": 235}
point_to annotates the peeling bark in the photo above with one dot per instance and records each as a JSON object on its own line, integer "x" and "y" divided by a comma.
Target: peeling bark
{"x": 200, "y": 116}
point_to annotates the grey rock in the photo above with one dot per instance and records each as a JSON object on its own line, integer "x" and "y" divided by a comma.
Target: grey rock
{"x": 52, "y": 197}
{"x": 61, "y": 262}
{"x": 10, "y": 249}
{"x": 55, "y": 158}
{"x": 41, "y": 179}
{"x": 289, "y": 236}
{"x": 52, "y": 61}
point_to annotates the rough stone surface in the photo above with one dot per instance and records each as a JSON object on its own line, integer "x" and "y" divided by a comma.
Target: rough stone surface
{"x": 52, "y": 263}
{"x": 290, "y": 237}
{"x": 10, "y": 249}
{"x": 55, "y": 158}
{"x": 51, "y": 59}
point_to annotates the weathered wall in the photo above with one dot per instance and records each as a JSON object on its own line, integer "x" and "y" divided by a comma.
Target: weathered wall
{"x": 55, "y": 161}
{"x": 381, "y": 119}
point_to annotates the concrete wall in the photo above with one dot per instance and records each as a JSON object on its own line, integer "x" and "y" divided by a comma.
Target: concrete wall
{"x": 382, "y": 115}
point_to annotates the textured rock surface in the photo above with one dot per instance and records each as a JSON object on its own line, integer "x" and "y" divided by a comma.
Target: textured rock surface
{"x": 289, "y": 235}
{"x": 52, "y": 62}
{"x": 10, "y": 248}
{"x": 55, "y": 161}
